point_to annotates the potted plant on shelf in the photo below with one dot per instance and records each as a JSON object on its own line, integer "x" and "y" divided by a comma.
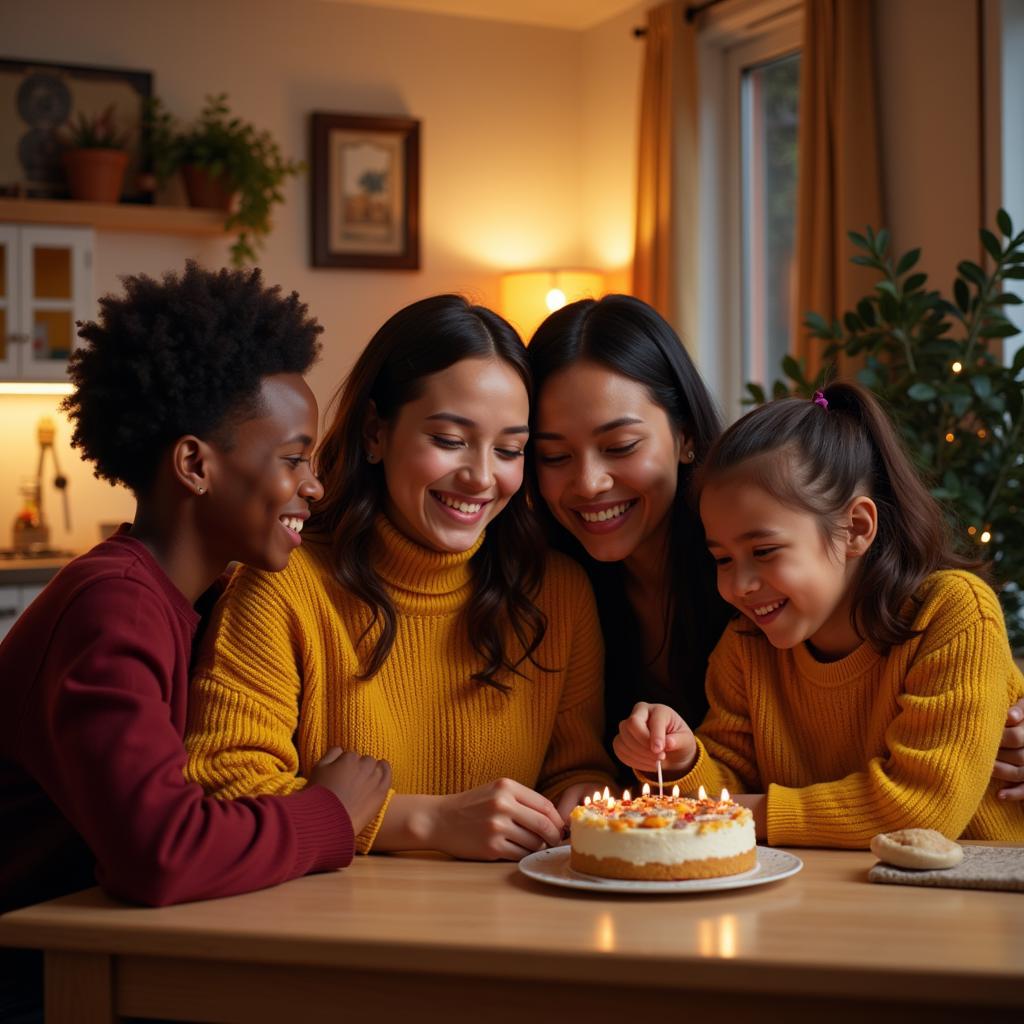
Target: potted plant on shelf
{"x": 96, "y": 157}
{"x": 227, "y": 164}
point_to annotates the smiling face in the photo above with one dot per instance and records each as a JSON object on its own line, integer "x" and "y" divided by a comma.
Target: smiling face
{"x": 779, "y": 570}
{"x": 261, "y": 484}
{"x": 453, "y": 457}
{"x": 607, "y": 461}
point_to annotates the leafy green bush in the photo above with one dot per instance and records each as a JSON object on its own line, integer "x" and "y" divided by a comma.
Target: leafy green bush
{"x": 959, "y": 408}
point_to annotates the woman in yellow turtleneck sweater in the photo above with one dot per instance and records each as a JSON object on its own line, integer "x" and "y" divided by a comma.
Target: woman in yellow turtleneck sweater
{"x": 421, "y": 621}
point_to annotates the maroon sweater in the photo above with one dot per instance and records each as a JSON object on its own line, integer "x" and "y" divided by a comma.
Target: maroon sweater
{"x": 94, "y": 687}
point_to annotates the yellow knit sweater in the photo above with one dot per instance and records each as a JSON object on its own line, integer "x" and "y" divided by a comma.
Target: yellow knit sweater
{"x": 870, "y": 743}
{"x": 275, "y": 683}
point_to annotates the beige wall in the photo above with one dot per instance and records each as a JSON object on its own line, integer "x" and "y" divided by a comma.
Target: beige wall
{"x": 503, "y": 164}
{"x": 528, "y": 150}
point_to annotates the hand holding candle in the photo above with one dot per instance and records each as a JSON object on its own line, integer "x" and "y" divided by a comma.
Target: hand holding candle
{"x": 654, "y": 734}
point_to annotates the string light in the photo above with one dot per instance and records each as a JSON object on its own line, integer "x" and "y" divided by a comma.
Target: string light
{"x": 950, "y": 437}
{"x": 982, "y": 434}
{"x": 971, "y": 530}
{"x": 985, "y": 537}
{"x": 957, "y": 366}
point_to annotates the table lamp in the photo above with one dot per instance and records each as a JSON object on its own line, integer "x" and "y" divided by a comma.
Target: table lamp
{"x": 528, "y": 296}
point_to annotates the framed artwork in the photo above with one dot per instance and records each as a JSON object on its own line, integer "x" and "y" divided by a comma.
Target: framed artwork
{"x": 366, "y": 192}
{"x": 37, "y": 99}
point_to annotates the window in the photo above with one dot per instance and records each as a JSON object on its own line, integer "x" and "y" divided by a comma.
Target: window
{"x": 749, "y": 69}
{"x": 768, "y": 157}
{"x": 1012, "y": 144}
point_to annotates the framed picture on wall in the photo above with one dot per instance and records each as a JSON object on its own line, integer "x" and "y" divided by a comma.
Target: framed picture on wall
{"x": 39, "y": 100}
{"x": 366, "y": 192}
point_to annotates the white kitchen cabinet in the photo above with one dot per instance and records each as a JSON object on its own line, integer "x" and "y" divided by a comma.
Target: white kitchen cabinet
{"x": 14, "y": 599}
{"x": 46, "y": 284}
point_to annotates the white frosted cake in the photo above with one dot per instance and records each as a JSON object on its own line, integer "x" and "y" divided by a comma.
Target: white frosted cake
{"x": 662, "y": 838}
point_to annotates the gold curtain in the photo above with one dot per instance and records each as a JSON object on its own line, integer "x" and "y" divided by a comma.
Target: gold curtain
{"x": 840, "y": 186}
{"x": 664, "y": 261}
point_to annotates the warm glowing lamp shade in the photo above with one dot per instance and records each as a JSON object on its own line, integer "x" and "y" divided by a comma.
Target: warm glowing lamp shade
{"x": 527, "y": 297}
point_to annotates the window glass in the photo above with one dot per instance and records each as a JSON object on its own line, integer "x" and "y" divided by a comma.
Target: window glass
{"x": 52, "y": 272}
{"x": 768, "y": 95}
{"x": 52, "y": 334}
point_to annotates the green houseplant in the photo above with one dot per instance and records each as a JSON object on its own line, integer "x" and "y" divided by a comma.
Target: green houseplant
{"x": 95, "y": 157}
{"x": 227, "y": 164}
{"x": 958, "y": 406}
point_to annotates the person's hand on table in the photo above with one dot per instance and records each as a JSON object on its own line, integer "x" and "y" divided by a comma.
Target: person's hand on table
{"x": 501, "y": 820}
{"x": 359, "y": 782}
{"x": 1009, "y": 766}
{"x": 653, "y": 733}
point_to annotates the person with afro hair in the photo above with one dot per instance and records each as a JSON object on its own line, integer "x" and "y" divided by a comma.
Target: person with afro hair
{"x": 190, "y": 392}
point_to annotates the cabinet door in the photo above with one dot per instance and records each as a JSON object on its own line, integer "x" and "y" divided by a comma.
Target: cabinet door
{"x": 13, "y": 601}
{"x": 9, "y": 302}
{"x": 56, "y": 288}
{"x": 10, "y": 607}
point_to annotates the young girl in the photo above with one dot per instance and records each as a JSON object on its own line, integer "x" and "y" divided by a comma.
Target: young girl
{"x": 863, "y": 686}
{"x": 418, "y": 621}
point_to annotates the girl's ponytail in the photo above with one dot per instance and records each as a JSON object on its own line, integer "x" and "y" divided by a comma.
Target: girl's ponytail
{"x": 913, "y": 539}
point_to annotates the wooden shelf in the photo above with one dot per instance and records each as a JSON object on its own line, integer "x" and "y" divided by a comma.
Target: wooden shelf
{"x": 165, "y": 220}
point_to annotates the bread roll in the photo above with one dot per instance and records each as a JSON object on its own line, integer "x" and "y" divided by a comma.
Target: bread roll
{"x": 921, "y": 848}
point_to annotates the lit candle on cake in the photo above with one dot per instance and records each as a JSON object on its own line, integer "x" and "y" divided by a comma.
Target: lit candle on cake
{"x": 675, "y": 792}
{"x": 725, "y": 795}
{"x": 646, "y": 791}
{"x": 626, "y": 796}
{"x": 702, "y": 793}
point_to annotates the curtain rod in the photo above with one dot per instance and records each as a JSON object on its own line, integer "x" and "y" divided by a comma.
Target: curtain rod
{"x": 691, "y": 12}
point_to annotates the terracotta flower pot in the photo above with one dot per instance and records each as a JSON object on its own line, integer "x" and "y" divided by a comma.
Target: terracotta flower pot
{"x": 95, "y": 175}
{"x": 206, "y": 191}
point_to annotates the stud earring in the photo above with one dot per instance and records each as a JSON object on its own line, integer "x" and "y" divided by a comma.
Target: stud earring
{"x": 371, "y": 458}
{"x": 691, "y": 455}
{"x": 200, "y": 490}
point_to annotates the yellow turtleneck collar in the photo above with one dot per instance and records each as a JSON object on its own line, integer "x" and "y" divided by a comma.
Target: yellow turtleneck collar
{"x": 406, "y": 565}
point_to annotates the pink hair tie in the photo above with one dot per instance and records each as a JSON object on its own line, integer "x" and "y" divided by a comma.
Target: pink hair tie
{"x": 820, "y": 399}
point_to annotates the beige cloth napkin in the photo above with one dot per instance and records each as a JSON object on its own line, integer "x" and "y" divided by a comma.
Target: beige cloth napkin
{"x": 983, "y": 867}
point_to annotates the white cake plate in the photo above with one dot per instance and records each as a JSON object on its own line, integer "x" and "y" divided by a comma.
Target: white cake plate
{"x": 552, "y": 868}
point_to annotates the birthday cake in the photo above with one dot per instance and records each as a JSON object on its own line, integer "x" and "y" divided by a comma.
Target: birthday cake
{"x": 656, "y": 838}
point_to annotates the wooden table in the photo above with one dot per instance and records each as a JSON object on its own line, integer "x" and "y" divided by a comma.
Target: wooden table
{"x": 426, "y": 939}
